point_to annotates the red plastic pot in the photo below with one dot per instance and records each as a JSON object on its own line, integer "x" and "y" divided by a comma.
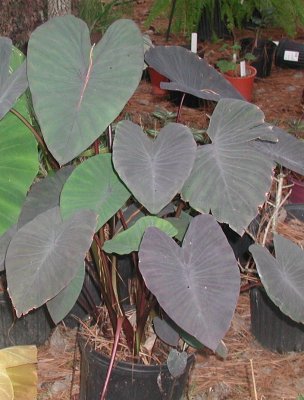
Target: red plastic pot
{"x": 244, "y": 84}
{"x": 297, "y": 190}
{"x": 156, "y": 78}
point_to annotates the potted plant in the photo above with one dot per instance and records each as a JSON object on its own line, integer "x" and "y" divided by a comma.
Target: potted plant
{"x": 262, "y": 49}
{"x": 278, "y": 256}
{"x": 238, "y": 71}
{"x": 160, "y": 200}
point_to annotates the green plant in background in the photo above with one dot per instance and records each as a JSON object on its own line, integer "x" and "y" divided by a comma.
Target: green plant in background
{"x": 231, "y": 63}
{"x": 186, "y": 13}
{"x": 99, "y": 14}
{"x": 288, "y": 14}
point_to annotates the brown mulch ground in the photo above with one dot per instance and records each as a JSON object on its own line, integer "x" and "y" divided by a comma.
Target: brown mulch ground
{"x": 248, "y": 367}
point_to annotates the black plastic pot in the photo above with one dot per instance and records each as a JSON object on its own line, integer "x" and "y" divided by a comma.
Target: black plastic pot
{"x": 273, "y": 329}
{"x": 289, "y": 54}
{"x": 189, "y": 100}
{"x": 128, "y": 381}
{"x": 33, "y": 328}
{"x": 264, "y": 53}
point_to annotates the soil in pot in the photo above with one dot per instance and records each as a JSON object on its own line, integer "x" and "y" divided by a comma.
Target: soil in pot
{"x": 128, "y": 380}
{"x": 243, "y": 84}
{"x": 264, "y": 53}
{"x": 273, "y": 329}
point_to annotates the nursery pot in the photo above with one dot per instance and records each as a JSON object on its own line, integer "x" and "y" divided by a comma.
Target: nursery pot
{"x": 243, "y": 84}
{"x": 264, "y": 53}
{"x": 33, "y": 328}
{"x": 128, "y": 380}
{"x": 189, "y": 100}
{"x": 273, "y": 329}
{"x": 289, "y": 54}
{"x": 156, "y": 78}
{"x": 297, "y": 190}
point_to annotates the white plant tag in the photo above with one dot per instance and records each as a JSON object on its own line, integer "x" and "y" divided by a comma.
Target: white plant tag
{"x": 194, "y": 42}
{"x": 243, "y": 68}
{"x": 291, "y": 55}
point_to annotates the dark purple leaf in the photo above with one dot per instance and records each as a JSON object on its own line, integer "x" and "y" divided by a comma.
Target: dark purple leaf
{"x": 196, "y": 285}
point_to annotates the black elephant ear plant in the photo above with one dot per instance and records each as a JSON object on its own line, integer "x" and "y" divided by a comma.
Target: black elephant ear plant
{"x": 156, "y": 202}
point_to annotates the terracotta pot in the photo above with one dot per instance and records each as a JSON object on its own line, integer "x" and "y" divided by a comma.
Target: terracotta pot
{"x": 156, "y": 78}
{"x": 244, "y": 84}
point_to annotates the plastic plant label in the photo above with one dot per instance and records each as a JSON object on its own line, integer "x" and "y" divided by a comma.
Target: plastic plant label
{"x": 194, "y": 42}
{"x": 291, "y": 55}
{"x": 243, "y": 68}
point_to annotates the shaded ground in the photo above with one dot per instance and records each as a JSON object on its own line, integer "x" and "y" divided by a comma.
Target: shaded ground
{"x": 248, "y": 366}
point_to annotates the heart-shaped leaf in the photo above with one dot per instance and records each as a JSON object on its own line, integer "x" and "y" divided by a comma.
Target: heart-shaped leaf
{"x": 229, "y": 176}
{"x": 154, "y": 170}
{"x": 95, "y": 185}
{"x": 46, "y": 254}
{"x": 196, "y": 285}
{"x": 189, "y": 73}
{"x": 129, "y": 240}
{"x": 283, "y": 276}
{"x": 12, "y": 84}
{"x": 84, "y": 87}
{"x": 177, "y": 362}
{"x": 60, "y": 305}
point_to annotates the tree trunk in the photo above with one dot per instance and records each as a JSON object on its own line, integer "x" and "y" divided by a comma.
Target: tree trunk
{"x": 58, "y": 7}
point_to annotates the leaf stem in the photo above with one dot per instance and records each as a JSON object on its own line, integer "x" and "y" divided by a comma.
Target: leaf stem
{"x": 38, "y": 138}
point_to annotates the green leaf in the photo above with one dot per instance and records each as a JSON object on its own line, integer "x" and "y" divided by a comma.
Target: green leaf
{"x": 13, "y": 79}
{"x": 60, "y": 305}
{"x": 129, "y": 240}
{"x": 18, "y": 157}
{"x": 94, "y": 185}
{"x": 84, "y": 87}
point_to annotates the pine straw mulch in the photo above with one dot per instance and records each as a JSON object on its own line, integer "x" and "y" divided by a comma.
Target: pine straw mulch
{"x": 249, "y": 372}
{"x": 248, "y": 367}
